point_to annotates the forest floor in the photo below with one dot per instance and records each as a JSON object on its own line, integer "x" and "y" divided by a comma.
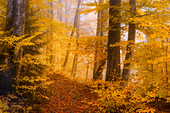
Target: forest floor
{"x": 69, "y": 96}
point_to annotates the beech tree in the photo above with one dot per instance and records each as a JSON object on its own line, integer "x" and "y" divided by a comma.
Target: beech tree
{"x": 113, "y": 58}
{"x": 75, "y": 59}
{"x": 75, "y": 26}
{"x": 98, "y": 65}
{"x": 15, "y": 22}
{"x": 131, "y": 40}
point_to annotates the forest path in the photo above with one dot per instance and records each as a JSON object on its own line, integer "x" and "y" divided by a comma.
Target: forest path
{"x": 69, "y": 96}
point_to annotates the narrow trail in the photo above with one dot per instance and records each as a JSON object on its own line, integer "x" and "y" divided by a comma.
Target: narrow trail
{"x": 69, "y": 96}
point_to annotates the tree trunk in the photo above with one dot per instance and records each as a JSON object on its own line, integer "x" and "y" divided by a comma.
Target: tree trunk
{"x": 98, "y": 51}
{"x": 72, "y": 33}
{"x": 52, "y": 56}
{"x": 131, "y": 39}
{"x": 75, "y": 61}
{"x": 66, "y": 12}
{"x": 87, "y": 72}
{"x": 15, "y": 21}
{"x": 100, "y": 69}
{"x": 113, "y": 59}
{"x": 167, "y": 64}
{"x": 59, "y": 15}
{"x": 27, "y": 19}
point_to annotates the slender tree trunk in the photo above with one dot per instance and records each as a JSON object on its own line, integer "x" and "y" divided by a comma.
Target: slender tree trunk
{"x": 87, "y": 72}
{"x": 49, "y": 52}
{"x": 59, "y": 15}
{"x": 52, "y": 56}
{"x": 100, "y": 68}
{"x": 113, "y": 59}
{"x": 98, "y": 50}
{"x": 66, "y": 12}
{"x": 75, "y": 61}
{"x": 74, "y": 67}
{"x": 131, "y": 39}
{"x": 72, "y": 33}
{"x": 167, "y": 64}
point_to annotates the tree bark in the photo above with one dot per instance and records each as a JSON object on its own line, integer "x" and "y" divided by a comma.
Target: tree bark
{"x": 15, "y": 21}
{"x": 131, "y": 39}
{"x": 113, "y": 59}
{"x": 97, "y": 70}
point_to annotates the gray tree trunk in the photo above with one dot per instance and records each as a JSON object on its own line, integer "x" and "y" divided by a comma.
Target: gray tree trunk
{"x": 113, "y": 59}
{"x": 27, "y": 19}
{"x": 66, "y": 12}
{"x": 98, "y": 66}
{"x": 75, "y": 61}
{"x": 72, "y": 33}
{"x": 59, "y": 15}
{"x": 131, "y": 39}
{"x": 52, "y": 56}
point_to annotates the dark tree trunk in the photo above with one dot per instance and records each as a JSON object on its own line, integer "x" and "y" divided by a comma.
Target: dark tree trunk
{"x": 131, "y": 39}
{"x": 15, "y": 21}
{"x": 113, "y": 59}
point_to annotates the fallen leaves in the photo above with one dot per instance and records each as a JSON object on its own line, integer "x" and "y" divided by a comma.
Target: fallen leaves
{"x": 69, "y": 96}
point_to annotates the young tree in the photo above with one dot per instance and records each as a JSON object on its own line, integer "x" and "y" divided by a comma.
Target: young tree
{"x": 113, "y": 59}
{"x": 131, "y": 39}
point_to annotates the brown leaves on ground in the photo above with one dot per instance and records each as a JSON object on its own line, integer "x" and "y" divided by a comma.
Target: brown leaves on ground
{"x": 69, "y": 96}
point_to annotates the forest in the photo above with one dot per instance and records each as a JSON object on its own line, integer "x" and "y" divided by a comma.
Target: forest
{"x": 84, "y": 56}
